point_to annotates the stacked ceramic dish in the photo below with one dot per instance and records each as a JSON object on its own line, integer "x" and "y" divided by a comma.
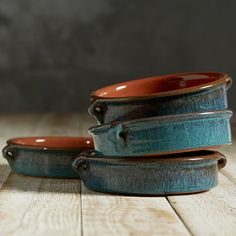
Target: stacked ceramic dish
{"x": 156, "y": 135}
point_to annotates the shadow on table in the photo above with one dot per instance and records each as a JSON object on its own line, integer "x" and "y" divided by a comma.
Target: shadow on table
{"x": 20, "y": 183}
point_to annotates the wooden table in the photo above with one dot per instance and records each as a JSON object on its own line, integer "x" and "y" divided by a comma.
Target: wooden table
{"x": 42, "y": 206}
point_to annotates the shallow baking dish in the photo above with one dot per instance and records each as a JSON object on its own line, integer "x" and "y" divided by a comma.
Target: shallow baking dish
{"x": 164, "y": 134}
{"x": 161, "y": 95}
{"x": 180, "y": 173}
{"x": 45, "y": 156}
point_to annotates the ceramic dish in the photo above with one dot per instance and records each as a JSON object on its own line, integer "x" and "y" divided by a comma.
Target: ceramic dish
{"x": 45, "y": 156}
{"x": 172, "y": 174}
{"x": 163, "y": 134}
{"x": 162, "y": 95}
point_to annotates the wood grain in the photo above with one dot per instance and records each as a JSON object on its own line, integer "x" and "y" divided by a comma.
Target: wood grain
{"x": 36, "y": 206}
{"x": 209, "y": 213}
{"x": 124, "y": 215}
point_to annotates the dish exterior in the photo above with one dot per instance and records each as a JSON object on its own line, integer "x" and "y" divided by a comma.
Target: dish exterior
{"x": 42, "y": 162}
{"x": 165, "y": 134}
{"x": 121, "y": 106}
{"x": 109, "y": 110}
{"x": 184, "y": 173}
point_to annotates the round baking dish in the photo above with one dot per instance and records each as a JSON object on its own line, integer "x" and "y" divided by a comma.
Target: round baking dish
{"x": 163, "y": 134}
{"x": 181, "y": 173}
{"x": 45, "y": 156}
{"x": 161, "y": 95}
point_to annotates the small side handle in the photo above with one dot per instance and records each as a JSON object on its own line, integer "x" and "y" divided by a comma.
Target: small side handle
{"x": 228, "y": 83}
{"x": 79, "y": 163}
{"x": 222, "y": 161}
{"x": 9, "y": 152}
{"x": 118, "y": 134}
{"x": 98, "y": 109}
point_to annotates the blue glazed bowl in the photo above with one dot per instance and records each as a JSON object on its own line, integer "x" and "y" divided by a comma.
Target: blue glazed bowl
{"x": 163, "y": 134}
{"x": 162, "y": 95}
{"x": 162, "y": 175}
{"x": 45, "y": 156}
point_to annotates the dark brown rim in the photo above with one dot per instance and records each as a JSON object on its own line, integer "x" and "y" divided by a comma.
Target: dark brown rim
{"x": 199, "y": 155}
{"x": 225, "y": 79}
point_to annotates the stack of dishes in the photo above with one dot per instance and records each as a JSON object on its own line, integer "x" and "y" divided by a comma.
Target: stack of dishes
{"x": 155, "y": 135}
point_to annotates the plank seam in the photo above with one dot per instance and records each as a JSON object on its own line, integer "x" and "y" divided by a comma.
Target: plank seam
{"x": 179, "y": 216}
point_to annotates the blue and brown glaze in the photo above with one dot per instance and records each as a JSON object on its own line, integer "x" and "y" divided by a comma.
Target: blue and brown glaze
{"x": 162, "y": 95}
{"x": 162, "y": 175}
{"x": 45, "y": 156}
{"x": 164, "y": 134}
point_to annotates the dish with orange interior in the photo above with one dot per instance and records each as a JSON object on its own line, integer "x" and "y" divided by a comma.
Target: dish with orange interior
{"x": 161, "y": 95}
{"x": 45, "y": 156}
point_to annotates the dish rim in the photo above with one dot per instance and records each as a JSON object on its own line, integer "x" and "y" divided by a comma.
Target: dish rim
{"x": 48, "y": 142}
{"x": 164, "y": 158}
{"x": 224, "y": 79}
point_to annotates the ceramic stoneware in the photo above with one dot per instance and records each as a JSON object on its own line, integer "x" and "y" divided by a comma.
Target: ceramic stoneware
{"x": 172, "y": 174}
{"x": 163, "y": 134}
{"x": 45, "y": 156}
{"x": 162, "y": 95}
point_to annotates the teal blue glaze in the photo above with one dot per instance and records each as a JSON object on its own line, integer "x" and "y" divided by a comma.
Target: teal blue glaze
{"x": 164, "y": 134}
{"x": 111, "y": 110}
{"x": 149, "y": 176}
{"x": 41, "y": 162}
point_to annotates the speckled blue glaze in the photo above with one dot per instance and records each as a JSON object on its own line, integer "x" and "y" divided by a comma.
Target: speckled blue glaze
{"x": 41, "y": 163}
{"x": 164, "y": 134}
{"x": 178, "y": 174}
{"x": 110, "y": 110}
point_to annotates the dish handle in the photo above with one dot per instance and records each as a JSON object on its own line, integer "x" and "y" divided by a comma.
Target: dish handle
{"x": 9, "y": 152}
{"x": 228, "y": 83}
{"x": 222, "y": 161}
{"x": 98, "y": 109}
{"x": 79, "y": 164}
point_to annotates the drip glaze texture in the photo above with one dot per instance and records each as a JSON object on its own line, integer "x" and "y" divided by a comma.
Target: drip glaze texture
{"x": 148, "y": 177}
{"x": 166, "y": 134}
{"x": 163, "y": 95}
{"x": 41, "y": 161}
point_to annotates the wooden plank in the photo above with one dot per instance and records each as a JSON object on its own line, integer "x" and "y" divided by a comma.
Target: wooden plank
{"x": 104, "y": 214}
{"x": 36, "y": 206}
{"x": 209, "y": 213}
{"x": 43, "y": 206}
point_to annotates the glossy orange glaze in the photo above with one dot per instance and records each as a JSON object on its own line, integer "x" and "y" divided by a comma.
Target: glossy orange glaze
{"x": 162, "y": 85}
{"x": 54, "y": 142}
